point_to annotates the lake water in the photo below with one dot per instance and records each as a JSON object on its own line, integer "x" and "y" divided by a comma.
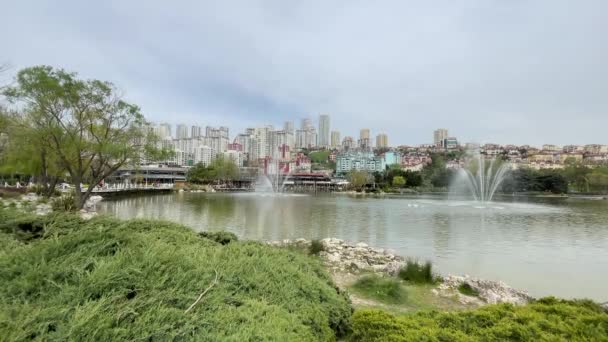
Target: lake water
{"x": 548, "y": 246}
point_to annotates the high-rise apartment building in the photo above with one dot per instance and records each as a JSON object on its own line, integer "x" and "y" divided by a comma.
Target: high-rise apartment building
{"x": 335, "y": 139}
{"x": 289, "y": 127}
{"x": 181, "y": 131}
{"x": 323, "y": 131}
{"x": 163, "y": 131}
{"x": 306, "y": 124}
{"x": 196, "y": 131}
{"x": 364, "y": 140}
{"x": 348, "y": 143}
{"x": 439, "y": 135}
{"x": 382, "y": 140}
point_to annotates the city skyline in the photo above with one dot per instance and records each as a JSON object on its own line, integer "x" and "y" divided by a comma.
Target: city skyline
{"x": 412, "y": 67}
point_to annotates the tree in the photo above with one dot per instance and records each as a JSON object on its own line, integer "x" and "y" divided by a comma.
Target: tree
{"x": 358, "y": 179}
{"x": 90, "y": 130}
{"x": 28, "y": 153}
{"x": 399, "y": 181}
{"x": 598, "y": 180}
{"x": 225, "y": 169}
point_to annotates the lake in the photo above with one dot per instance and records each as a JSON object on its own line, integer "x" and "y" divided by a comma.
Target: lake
{"x": 548, "y": 246}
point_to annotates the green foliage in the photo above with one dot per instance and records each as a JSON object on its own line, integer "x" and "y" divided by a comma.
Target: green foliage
{"x": 220, "y": 169}
{"x": 358, "y": 179}
{"x": 526, "y": 180}
{"x": 467, "y": 290}
{"x": 546, "y": 320}
{"x": 386, "y": 290}
{"x": 399, "y": 181}
{"x": 109, "y": 280}
{"x": 319, "y": 157}
{"x": 221, "y": 237}
{"x": 64, "y": 202}
{"x": 81, "y": 127}
{"x": 316, "y": 247}
{"x": 417, "y": 273}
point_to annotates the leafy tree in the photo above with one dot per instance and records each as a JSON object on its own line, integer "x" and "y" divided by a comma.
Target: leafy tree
{"x": 358, "y": 179}
{"x": 399, "y": 181}
{"x": 225, "y": 169}
{"x": 28, "y": 153}
{"x": 90, "y": 130}
{"x": 220, "y": 170}
{"x": 598, "y": 180}
{"x": 414, "y": 178}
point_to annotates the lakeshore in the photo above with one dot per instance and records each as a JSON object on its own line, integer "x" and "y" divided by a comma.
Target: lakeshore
{"x": 64, "y": 277}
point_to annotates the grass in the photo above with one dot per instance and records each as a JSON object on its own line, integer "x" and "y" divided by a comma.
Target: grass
{"x": 62, "y": 278}
{"x": 548, "y": 319}
{"x": 385, "y": 290}
{"x": 417, "y": 273}
{"x": 467, "y": 290}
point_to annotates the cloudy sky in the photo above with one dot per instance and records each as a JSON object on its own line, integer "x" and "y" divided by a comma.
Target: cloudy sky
{"x": 505, "y": 71}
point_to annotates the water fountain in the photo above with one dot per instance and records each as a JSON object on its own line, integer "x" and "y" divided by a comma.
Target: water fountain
{"x": 271, "y": 180}
{"x": 482, "y": 177}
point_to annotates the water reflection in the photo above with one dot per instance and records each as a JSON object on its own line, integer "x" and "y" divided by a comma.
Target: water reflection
{"x": 549, "y": 246}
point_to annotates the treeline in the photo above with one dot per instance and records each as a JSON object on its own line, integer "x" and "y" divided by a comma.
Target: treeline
{"x": 574, "y": 177}
{"x": 220, "y": 170}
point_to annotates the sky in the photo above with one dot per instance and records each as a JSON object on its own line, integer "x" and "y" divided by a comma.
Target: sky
{"x": 500, "y": 71}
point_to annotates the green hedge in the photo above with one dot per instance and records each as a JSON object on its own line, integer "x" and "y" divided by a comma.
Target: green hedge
{"x": 548, "y": 319}
{"x": 124, "y": 280}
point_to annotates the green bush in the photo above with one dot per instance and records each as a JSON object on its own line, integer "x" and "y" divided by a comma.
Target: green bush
{"x": 467, "y": 290}
{"x": 387, "y": 290}
{"x": 316, "y": 247}
{"x": 417, "y": 273}
{"x": 106, "y": 279}
{"x": 221, "y": 237}
{"x": 64, "y": 202}
{"x": 546, "y": 320}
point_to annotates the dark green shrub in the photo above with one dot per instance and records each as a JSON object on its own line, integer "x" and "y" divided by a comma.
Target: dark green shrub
{"x": 111, "y": 280}
{"x": 387, "y": 290}
{"x": 64, "y": 203}
{"x": 222, "y": 237}
{"x": 316, "y": 247}
{"x": 467, "y": 290}
{"x": 417, "y": 273}
{"x": 553, "y": 320}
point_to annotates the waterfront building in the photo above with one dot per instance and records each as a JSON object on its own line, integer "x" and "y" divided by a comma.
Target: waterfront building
{"x": 358, "y": 161}
{"x": 381, "y": 140}
{"x": 324, "y": 125}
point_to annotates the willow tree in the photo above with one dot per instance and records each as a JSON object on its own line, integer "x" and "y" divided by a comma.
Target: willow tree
{"x": 88, "y": 128}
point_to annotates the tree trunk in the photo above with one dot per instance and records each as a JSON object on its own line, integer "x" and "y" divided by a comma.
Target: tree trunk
{"x": 78, "y": 198}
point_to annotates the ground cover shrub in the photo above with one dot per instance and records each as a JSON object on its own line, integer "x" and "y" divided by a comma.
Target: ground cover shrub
{"x": 386, "y": 290}
{"x": 467, "y": 290}
{"x": 545, "y": 320}
{"x": 316, "y": 247}
{"x": 106, "y": 280}
{"x": 64, "y": 202}
{"x": 418, "y": 273}
{"x": 221, "y": 237}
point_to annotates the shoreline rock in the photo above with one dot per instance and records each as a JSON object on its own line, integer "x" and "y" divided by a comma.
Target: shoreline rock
{"x": 340, "y": 256}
